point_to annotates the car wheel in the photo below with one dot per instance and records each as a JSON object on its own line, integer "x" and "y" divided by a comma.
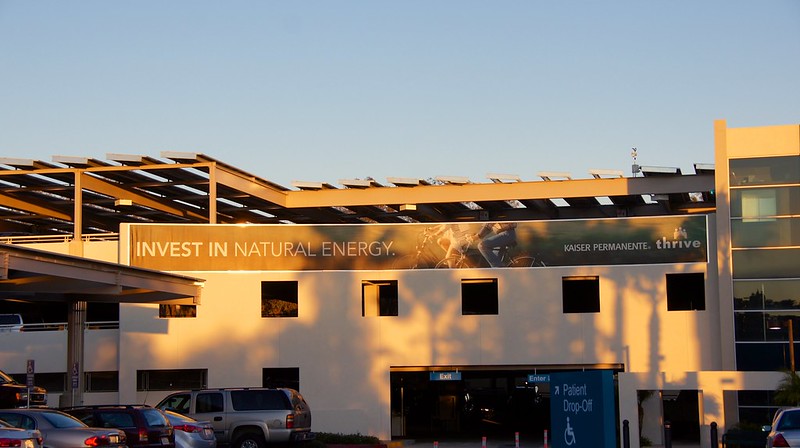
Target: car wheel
{"x": 250, "y": 440}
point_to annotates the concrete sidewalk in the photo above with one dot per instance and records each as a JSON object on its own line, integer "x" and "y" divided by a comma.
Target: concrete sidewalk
{"x": 497, "y": 443}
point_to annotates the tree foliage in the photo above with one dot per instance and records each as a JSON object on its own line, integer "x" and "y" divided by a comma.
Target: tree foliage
{"x": 788, "y": 390}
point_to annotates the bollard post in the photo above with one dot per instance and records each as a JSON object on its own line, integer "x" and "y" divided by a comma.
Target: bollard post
{"x": 714, "y": 435}
{"x": 545, "y": 438}
{"x": 667, "y": 435}
{"x": 483, "y": 442}
{"x": 435, "y": 444}
{"x": 516, "y": 439}
{"x": 626, "y": 434}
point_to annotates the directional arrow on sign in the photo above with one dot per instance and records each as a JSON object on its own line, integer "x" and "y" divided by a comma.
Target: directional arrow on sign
{"x": 556, "y": 390}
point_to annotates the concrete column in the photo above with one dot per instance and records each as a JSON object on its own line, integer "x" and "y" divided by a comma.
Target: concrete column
{"x": 76, "y": 245}
{"x": 76, "y": 321}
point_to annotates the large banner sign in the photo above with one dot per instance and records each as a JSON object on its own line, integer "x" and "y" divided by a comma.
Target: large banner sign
{"x": 206, "y": 247}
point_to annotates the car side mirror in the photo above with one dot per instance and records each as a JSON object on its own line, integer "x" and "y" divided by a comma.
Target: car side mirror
{"x": 766, "y": 428}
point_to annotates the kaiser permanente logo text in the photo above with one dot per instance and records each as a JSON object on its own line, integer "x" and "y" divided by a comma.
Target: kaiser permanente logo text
{"x": 660, "y": 244}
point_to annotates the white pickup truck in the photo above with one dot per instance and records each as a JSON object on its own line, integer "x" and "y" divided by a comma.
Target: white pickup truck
{"x": 247, "y": 417}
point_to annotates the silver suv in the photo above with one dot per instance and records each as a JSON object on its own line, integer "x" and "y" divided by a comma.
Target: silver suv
{"x": 10, "y": 323}
{"x": 247, "y": 417}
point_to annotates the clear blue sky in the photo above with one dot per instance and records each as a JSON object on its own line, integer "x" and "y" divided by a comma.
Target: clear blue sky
{"x": 328, "y": 90}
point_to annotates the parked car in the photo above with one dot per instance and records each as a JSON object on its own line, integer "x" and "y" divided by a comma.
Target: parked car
{"x": 10, "y": 323}
{"x": 144, "y": 426}
{"x": 247, "y": 417}
{"x": 190, "y": 433}
{"x": 60, "y": 430}
{"x": 19, "y": 438}
{"x": 785, "y": 428}
{"x": 14, "y": 394}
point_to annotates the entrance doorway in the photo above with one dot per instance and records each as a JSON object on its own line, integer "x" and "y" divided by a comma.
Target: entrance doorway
{"x": 475, "y": 401}
{"x": 492, "y": 403}
{"x": 681, "y": 409}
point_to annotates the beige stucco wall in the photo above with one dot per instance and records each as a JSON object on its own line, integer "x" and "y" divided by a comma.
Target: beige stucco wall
{"x": 344, "y": 358}
{"x": 766, "y": 141}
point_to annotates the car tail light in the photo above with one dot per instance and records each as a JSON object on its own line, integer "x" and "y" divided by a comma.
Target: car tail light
{"x": 143, "y": 435}
{"x": 10, "y": 442}
{"x": 289, "y": 421}
{"x": 96, "y": 440}
{"x": 188, "y": 428}
{"x": 779, "y": 441}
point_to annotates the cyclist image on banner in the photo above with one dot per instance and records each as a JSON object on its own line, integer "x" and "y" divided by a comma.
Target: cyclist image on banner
{"x": 494, "y": 237}
{"x": 455, "y": 246}
{"x": 453, "y": 239}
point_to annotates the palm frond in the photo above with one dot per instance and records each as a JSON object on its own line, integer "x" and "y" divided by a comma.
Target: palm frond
{"x": 788, "y": 391}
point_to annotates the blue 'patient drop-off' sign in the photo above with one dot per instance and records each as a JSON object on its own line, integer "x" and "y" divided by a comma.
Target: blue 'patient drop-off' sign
{"x": 582, "y": 409}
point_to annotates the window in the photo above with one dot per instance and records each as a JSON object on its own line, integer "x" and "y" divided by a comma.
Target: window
{"x": 102, "y": 312}
{"x": 281, "y": 377}
{"x": 750, "y": 326}
{"x": 765, "y": 170}
{"x": 757, "y": 406}
{"x": 759, "y": 205}
{"x": 765, "y": 232}
{"x": 18, "y": 420}
{"x": 760, "y": 356}
{"x": 171, "y": 379}
{"x": 766, "y": 263}
{"x": 580, "y": 294}
{"x": 379, "y": 298}
{"x": 61, "y": 382}
{"x": 112, "y": 419}
{"x": 52, "y": 381}
{"x": 279, "y": 299}
{"x": 209, "y": 402}
{"x": 774, "y": 294}
{"x": 479, "y": 296}
{"x": 686, "y": 292}
{"x": 259, "y": 400}
{"x": 167, "y": 311}
{"x": 747, "y": 202}
{"x": 101, "y": 381}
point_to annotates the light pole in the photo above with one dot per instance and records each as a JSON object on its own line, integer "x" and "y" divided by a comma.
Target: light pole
{"x": 791, "y": 345}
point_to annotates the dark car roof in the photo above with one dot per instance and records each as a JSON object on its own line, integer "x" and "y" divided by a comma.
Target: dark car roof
{"x": 138, "y": 411}
{"x": 108, "y": 406}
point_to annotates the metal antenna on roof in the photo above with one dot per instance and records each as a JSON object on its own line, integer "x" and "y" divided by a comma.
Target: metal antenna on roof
{"x": 635, "y": 168}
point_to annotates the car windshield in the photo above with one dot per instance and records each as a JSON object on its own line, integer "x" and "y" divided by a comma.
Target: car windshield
{"x": 9, "y": 319}
{"x": 179, "y": 403}
{"x": 4, "y": 378}
{"x": 789, "y": 420}
{"x": 59, "y": 420}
